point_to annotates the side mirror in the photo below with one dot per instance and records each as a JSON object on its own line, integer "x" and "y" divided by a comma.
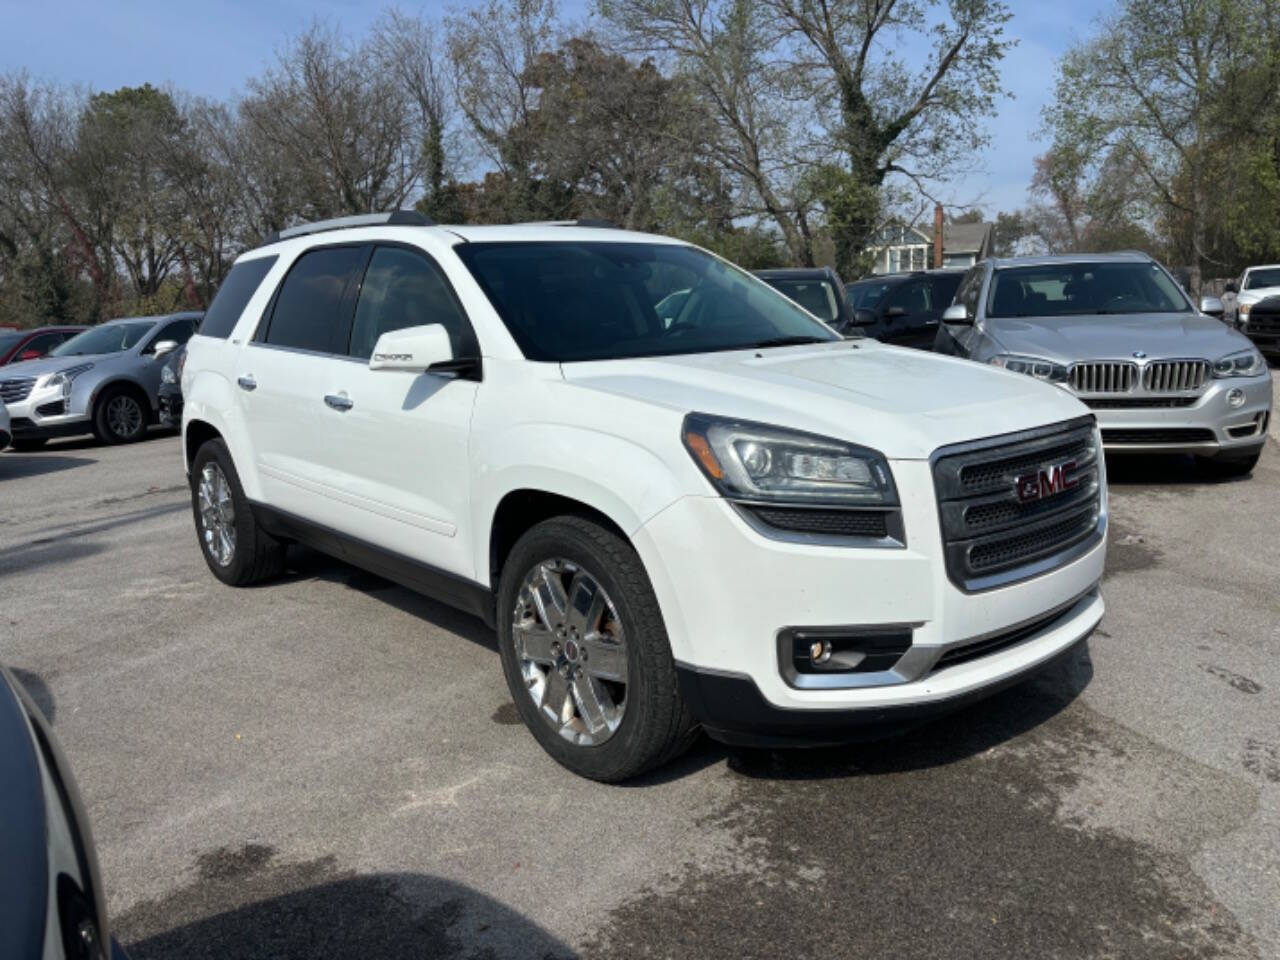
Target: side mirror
{"x": 957, "y": 313}
{"x": 1230, "y": 287}
{"x": 416, "y": 349}
{"x": 1211, "y": 306}
{"x": 862, "y": 317}
{"x": 164, "y": 348}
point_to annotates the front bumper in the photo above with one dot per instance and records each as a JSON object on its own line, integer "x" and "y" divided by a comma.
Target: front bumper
{"x": 169, "y": 402}
{"x": 46, "y": 412}
{"x": 1206, "y": 426}
{"x": 728, "y": 593}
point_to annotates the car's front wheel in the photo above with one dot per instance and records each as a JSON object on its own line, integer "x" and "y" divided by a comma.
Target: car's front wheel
{"x": 236, "y": 548}
{"x": 586, "y": 654}
{"x": 121, "y": 416}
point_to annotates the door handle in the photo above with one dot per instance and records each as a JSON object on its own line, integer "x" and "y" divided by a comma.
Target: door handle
{"x": 247, "y": 382}
{"x": 339, "y": 401}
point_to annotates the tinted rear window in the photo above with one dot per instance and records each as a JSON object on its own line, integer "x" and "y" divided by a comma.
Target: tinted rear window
{"x": 308, "y": 310}
{"x": 234, "y": 295}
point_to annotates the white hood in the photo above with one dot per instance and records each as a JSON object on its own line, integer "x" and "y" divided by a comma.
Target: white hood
{"x": 904, "y": 403}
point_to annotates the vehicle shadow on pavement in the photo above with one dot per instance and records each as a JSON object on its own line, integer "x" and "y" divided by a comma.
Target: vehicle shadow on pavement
{"x": 38, "y": 690}
{"x": 90, "y": 442}
{"x": 245, "y": 905}
{"x": 18, "y": 466}
{"x": 964, "y": 734}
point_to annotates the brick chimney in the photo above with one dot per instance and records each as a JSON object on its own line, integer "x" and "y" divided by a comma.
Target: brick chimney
{"x": 937, "y": 235}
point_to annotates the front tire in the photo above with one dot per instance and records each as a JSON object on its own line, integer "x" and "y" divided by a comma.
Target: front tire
{"x": 236, "y": 548}
{"x": 120, "y": 417}
{"x": 585, "y": 652}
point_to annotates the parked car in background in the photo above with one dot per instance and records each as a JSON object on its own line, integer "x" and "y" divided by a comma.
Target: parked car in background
{"x": 1117, "y": 331}
{"x": 1255, "y": 285}
{"x": 903, "y": 308}
{"x": 169, "y": 396}
{"x": 102, "y": 381}
{"x": 735, "y": 518}
{"x": 817, "y": 289}
{"x": 19, "y": 345}
{"x": 4, "y": 426}
{"x": 1263, "y": 325}
{"x": 52, "y": 902}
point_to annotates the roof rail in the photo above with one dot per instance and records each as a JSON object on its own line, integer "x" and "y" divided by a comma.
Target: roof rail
{"x": 389, "y": 218}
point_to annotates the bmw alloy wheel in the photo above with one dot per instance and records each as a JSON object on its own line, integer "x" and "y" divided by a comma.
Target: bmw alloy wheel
{"x": 217, "y": 515}
{"x": 572, "y": 651}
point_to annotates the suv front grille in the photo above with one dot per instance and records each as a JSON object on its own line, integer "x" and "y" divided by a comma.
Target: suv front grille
{"x": 1009, "y": 504}
{"x": 16, "y": 389}
{"x": 1103, "y": 377}
{"x": 1175, "y": 376}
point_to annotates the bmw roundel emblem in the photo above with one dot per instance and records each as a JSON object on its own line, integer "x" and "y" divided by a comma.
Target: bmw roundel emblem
{"x": 1139, "y": 354}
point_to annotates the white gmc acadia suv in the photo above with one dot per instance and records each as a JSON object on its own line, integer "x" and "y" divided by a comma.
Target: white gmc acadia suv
{"x": 681, "y": 499}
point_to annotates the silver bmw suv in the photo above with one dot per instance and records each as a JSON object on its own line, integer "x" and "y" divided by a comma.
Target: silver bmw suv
{"x": 1117, "y": 331}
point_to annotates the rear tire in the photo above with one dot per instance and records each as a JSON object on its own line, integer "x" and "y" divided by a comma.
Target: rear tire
{"x": 1225, "y": 466}
{"x": 121, "y": 416}
{"x": 236, "y": 548}
{"x": 623, "y": 624}
{"x": 27, "y": 444}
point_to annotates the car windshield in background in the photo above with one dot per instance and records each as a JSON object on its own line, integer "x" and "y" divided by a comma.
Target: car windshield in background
{"x": 1258, "y": 279}
{"x": 565, "y": 301}
{"x": 866, "y": 294}
{"x": 1064, "y": 289}
{"x": 108, "y": 338}
{"x": 942, "y": 289}
{"x": 816, "y": 296}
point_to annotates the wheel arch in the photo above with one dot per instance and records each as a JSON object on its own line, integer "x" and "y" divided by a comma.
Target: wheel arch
{"x": 521, "y": 509}
{"x": 196, "y": 435}
{"x": 128, "y": 383}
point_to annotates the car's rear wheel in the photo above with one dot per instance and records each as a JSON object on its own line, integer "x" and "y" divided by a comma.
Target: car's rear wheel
{"x": 120, "y": 417}
{"x": 586, "y": 654}
{"x": 236, "y": 548}
{"x": 1227, "y": 465}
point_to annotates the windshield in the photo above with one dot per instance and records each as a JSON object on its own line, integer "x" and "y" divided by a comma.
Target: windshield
{"x": 816, "y": 296}
{"x": 1083, "y": 288}
{"x": 867, "y": 293}
{"x": 1262, "y": 278}
{"x": 942, "y": 289}
{"x": 108, "y": 338}
{"x": 567, "y": 301}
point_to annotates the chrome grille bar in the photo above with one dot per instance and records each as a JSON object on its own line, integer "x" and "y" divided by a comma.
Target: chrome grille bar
{"x": 1103, "y": 376}
{"x": 1175, "y": 376}
{"x": 16, "y": 389}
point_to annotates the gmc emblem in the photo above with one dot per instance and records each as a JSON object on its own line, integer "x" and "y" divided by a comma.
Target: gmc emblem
{"x": 1046, "y": 483}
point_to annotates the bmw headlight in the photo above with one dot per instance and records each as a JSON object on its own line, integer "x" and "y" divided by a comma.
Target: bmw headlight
{"x": 62, "y": 379}
{"x": 1246, "y": 363}
{"x": 1045, "y": 370}
{"x": 758, "y": 462}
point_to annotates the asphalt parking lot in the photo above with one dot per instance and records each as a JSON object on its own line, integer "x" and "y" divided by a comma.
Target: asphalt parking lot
{"x": 331, "y": 766}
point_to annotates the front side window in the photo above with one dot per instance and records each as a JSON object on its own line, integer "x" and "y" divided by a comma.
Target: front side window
{"x": 401, "y": 289}
{"x": 567, "y": 301}
{"x": 816, "y": 296}
{"x": 308, "y": 309}
{"x": 1262, "y": 278}
{"x": 1084, "y": 288}
{"x": 179, "y": 331}
{"x": 108, "y": 338}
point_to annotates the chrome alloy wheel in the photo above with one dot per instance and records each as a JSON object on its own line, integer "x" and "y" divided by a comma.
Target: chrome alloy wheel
{"x": 572, "y": 651}
{"x": 217, "y": 514}
{"x": 124, "y": 416}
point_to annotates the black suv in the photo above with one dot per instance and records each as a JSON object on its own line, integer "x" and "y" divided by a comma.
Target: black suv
{"x": 817, "y": 289}
{"x": 903, "y": 308}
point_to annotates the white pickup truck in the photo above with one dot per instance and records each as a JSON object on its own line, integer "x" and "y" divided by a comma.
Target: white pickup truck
{"x": 682, "y": 500}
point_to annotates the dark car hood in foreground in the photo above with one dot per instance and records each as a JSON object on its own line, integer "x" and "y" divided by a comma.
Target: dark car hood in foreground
{"x": 1116, "y": 337}
{"x": 24, "y": 865}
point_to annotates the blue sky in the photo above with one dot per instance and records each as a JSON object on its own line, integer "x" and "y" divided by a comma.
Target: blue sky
{"x": 210, "y": 48}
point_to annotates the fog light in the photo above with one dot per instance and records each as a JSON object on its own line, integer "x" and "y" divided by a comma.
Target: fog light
{"x": 1235, "y": 398}
{"x": 820, "y": 651}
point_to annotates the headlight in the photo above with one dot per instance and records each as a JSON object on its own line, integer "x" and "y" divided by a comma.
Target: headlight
{"x": 167, "y": 375}
{"x": 754, "y": 461}
{"x": 1045, "y": 370}
{"x": 1246, "y": 363}
{"x": 63, "y": 378}
{"x": 1244, "y": 309}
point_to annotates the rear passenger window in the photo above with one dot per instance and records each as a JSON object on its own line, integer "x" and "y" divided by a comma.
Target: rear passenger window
{"x": 403, "y": 288}
{"x": 234, "y": 295}
{"x": 307, "y": 313}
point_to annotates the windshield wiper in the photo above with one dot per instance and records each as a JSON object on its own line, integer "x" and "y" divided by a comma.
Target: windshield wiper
{"x": 786, "y": 342}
